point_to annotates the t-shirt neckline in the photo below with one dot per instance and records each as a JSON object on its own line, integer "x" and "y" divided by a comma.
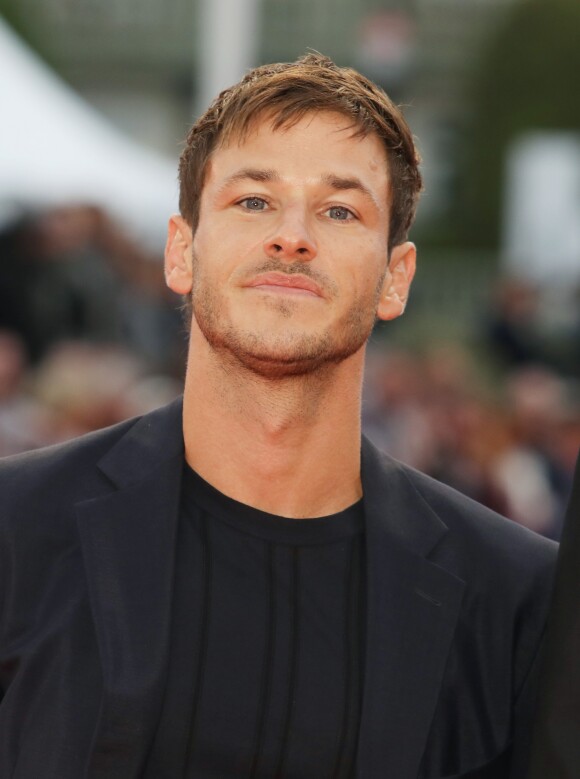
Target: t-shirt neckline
{"x": 271, "y": 527}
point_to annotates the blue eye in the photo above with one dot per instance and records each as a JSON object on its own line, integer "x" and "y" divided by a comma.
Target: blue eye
{"x": 253, "y": 203}
{"x": 340, "y": 213}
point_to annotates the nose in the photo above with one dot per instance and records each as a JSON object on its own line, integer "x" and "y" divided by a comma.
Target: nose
{"x": 291, "y": 239}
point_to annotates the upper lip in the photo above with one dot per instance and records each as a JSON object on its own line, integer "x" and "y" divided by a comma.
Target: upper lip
{"x": 295, "y": 280}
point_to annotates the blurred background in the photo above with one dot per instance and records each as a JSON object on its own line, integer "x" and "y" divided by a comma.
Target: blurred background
{"x": 478, "y": 384}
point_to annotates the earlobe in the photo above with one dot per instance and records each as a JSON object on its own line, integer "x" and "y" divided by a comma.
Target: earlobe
{"x": 178, "y": 249}
{"x": 399, "y": 276}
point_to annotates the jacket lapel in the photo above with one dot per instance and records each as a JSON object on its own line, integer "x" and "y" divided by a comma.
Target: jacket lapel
{"x": 128, "y": 541}
{"x": 412, "y": 608}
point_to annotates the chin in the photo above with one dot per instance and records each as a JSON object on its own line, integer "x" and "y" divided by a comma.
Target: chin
{"x": 285, "y": 356}
{"x": 279, "y": 346}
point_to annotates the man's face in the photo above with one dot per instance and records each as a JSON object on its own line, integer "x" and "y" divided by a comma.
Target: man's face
{"x": 288, "y": 266}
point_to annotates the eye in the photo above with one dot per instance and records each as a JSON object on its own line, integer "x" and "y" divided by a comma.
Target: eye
{"x": 340, "y": 213}
{"x": 253, "y": 203}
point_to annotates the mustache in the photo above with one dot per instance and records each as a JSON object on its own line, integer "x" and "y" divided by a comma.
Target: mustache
{"x": 292, "y": 269}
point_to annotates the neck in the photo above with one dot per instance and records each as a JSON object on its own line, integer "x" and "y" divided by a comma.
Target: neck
{"x": 289, "y": 446}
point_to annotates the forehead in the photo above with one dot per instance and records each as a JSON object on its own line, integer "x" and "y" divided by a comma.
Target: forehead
{"x": 317, "y": 144}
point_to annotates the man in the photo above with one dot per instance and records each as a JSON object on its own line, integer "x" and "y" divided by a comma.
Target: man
{"x": 240, "y": 588}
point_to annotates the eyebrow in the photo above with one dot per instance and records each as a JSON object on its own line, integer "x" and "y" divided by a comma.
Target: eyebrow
{"x": 251, "y": 174}
{"x": 352, "y": 182}
{"x": 264, "y": 175}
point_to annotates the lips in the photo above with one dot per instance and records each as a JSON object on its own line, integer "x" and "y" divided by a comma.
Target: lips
{"x": 286, "y": 282}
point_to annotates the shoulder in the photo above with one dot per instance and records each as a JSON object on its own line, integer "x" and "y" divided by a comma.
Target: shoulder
{"x": 39, "y": 489}
{"x": 479, "y": 534}
{"x": 498, "y": 561}
{"x": 468, "y": 540}
{"x": 38, "y": 493}
{"x": 41, "y": 493}
{"x": 507, "y": 569}
{"x": 508, "y": 573}
{"x": 61, "y": 468}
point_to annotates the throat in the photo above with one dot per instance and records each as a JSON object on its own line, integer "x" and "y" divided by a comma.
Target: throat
{"x": 287, "y": 446}
{"x": 282, "y": 462}
{"x": 283, "y": 483}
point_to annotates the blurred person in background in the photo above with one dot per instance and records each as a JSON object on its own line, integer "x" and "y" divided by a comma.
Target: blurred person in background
{"x": 84, "y": 387}
{"x": 24, "y": 423}
{"x": 509, "y": 443}
{"x": 240, "y": 585}
{"x": 54, "y": 284}
{"x": 512, "y": 326}
{"x": 71, "y": 273}
{"x": 545, "y": 417}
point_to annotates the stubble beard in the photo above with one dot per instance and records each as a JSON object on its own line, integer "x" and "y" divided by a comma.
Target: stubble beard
{"x": 293, "y": 354}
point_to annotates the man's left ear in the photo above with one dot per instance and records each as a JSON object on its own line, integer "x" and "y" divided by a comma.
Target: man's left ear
{"x": 397, "y": 283}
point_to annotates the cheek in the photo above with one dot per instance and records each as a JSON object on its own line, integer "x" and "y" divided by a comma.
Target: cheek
{"x": 228, "y": 244}
{"x": 371, "y": 265}
{"x": 197, "y": 243}
{"x": 206, "y": 249}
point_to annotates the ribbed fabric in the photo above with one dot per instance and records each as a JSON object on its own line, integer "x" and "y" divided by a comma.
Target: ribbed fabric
{"x": 266, "y": 671}
{"x": 352, "y": 660}
{"x": 203, "y": 636}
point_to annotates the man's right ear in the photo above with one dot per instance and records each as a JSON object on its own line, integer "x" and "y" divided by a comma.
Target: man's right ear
{"x": 178, "y": 251}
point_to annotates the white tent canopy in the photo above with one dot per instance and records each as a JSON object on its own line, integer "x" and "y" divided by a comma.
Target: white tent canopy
{"x": 55, "y": 149}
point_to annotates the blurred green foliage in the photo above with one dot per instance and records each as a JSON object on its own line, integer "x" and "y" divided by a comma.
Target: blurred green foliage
{"x": 528, "y": 80}
{"x": 27, "y": 27}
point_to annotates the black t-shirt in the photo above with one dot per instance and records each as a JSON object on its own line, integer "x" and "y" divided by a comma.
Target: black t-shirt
{"x": 265, "y": 673}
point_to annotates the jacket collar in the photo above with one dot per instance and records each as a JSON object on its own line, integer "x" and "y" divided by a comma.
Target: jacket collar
{"x": 412, "y": 609}
{"x": 128, "y": 539}
{"x": 153, "y": 440}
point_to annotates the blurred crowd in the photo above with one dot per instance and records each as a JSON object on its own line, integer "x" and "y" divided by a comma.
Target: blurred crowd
{"x": 499, "y": 418}
{"x": 89, "y": 335}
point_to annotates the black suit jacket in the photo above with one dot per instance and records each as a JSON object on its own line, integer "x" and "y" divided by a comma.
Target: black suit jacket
{"x": 556, "y": 745}
{"x": 456, "y": 605}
